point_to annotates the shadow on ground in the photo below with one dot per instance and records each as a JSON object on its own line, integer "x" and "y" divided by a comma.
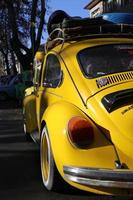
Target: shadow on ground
{"x": 9, "y": 104}
{"x": 19, "y": 159}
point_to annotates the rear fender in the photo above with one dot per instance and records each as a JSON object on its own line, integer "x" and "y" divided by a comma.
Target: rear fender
{"x": 101, "y": 152}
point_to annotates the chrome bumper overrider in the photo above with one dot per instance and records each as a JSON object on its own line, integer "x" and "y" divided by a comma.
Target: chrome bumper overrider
{"x": 99, "y": 177}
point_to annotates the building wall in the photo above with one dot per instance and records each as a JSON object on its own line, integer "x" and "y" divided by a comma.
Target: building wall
{"x": 96, "y": 10}
{"x": 110, "y": 6}
{"x": 118, "y": 5}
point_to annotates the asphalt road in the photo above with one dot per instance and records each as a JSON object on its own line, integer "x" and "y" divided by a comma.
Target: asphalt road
{"x": 20, "y": 176}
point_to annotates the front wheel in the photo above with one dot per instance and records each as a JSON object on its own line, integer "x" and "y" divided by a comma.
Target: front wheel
{"x": 50, "y": 175}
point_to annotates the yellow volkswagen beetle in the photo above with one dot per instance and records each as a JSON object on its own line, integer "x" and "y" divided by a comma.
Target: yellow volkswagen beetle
{"x": 80, "y": 111}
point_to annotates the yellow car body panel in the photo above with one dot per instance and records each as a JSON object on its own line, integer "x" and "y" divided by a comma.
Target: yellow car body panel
{"x": 29, "y": 105}
{"x": 117, "y": 125}
{"x": 77, "y": 95}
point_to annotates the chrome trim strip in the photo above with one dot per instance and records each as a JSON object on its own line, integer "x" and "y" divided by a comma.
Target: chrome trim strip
{"x": 99, "y": 177}
{"x": 35, "y": 137}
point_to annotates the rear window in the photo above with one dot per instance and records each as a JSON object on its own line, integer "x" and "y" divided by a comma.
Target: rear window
{"x": 107, "y": 59}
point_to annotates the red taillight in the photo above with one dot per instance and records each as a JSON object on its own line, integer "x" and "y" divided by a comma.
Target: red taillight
{"x": 80, "y": 132}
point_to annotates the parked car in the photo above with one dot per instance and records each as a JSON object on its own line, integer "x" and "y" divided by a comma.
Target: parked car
{"x": 5, "y": 79}
{"x": 80, "y": 109}
{"x": 7, "y": 87}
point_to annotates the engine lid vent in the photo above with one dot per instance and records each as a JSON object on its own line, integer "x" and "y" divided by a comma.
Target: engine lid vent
{"x": 109, "y": 80}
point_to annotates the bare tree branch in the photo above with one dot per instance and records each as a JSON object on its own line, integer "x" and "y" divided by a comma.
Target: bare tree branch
{"x": 41, "y": 25}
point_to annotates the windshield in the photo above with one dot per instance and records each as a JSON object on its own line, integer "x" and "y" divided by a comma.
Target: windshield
{"x": 107, "y": 59}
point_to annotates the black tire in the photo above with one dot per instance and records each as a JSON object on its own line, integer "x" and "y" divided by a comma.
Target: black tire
{"x": 50, "y": 175}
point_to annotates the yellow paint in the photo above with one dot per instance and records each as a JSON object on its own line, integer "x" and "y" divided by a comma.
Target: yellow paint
{"x": 79, "y": 96}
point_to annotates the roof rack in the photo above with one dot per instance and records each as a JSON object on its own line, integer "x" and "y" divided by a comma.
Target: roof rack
{"x": 54, "y": 39}
{"x": 79, "y": 29}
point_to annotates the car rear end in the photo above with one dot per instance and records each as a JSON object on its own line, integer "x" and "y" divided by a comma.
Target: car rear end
{"x": 103, "y": 73}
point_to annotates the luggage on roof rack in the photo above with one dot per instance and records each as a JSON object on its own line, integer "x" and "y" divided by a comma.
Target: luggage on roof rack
{"x": 61, "y": 20}
{"x": 62, "y": 27}
{"x": 76, "y": 22}
{"x": 55, "y": 18}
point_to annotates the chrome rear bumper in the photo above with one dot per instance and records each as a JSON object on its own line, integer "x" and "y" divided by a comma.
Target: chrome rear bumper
{"x": 99, "y": 177}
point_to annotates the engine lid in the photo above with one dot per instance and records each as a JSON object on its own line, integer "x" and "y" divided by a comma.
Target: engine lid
{"x": 115, "y": 118}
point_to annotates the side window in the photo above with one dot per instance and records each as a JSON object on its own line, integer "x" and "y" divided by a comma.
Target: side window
{"x": 52, "y": 75}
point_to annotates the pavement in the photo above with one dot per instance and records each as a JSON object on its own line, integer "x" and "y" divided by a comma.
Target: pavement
{"x": 20, "y": 176}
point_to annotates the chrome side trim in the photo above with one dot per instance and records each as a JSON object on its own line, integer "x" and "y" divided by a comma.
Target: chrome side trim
{"x": 99, "y": 177}
{"x": 35, "y": 137}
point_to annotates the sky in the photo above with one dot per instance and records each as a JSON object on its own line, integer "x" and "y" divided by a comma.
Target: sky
{"x": 72, "y": 7}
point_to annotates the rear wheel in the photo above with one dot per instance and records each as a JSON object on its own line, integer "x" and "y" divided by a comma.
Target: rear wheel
{"x": 50, "y": 175}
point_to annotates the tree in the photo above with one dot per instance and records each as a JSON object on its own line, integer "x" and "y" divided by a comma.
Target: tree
{"x": 26, "y": 21}
{"x": 4, "y": 42}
